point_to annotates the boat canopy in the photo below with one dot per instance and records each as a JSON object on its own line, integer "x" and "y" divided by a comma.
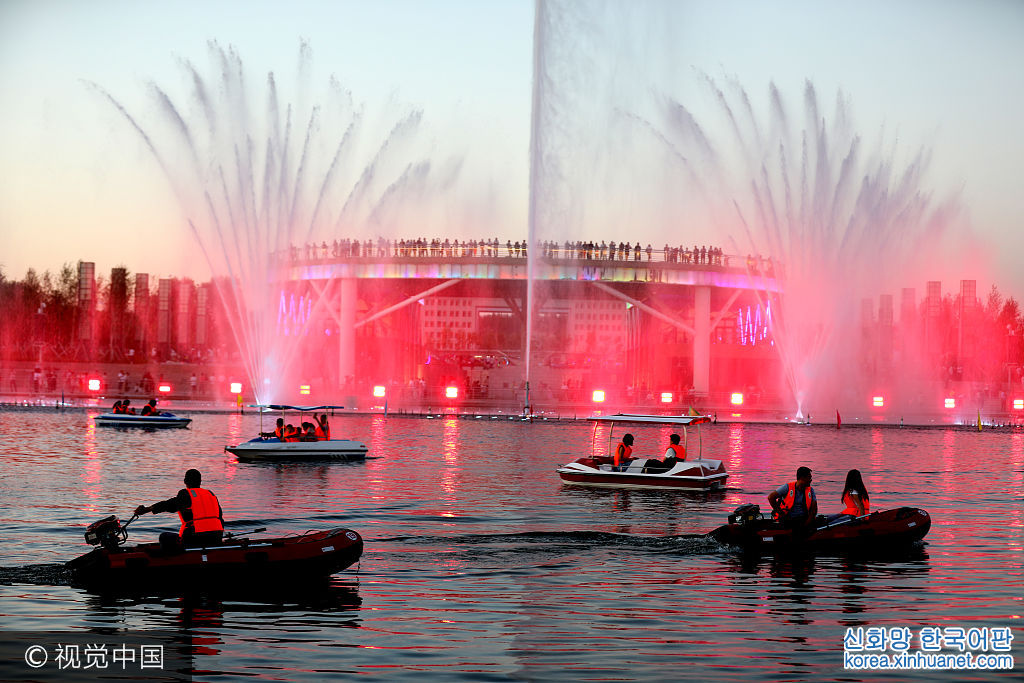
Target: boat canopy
{"x": 276, "y": 406}
{"x": 654, "y": 419}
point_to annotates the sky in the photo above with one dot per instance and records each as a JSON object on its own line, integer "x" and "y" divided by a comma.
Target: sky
{"x": 79, "y": 184}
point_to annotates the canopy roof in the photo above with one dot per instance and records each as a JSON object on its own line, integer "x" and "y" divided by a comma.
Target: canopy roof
{"x": 654, "y": 419}
{"x": 276, "y": 406}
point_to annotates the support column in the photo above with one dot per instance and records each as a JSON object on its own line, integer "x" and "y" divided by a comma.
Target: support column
{"x": 346, "y": 330}
{"x": 702, "y": 341}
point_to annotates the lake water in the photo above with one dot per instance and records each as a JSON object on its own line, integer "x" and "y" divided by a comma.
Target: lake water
{"x": 480, "y": 565}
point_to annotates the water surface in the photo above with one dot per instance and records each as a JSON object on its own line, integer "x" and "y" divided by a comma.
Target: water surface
{"x": 481, "y": 565}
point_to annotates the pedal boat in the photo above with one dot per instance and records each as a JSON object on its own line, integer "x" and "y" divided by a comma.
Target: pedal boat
{"x": 237, "y": 561}
{"x": 696, "y": 473}
{"x": 272, "y": 449}
{"x": 885, "y": 529}
{"x": 160, "y": 420}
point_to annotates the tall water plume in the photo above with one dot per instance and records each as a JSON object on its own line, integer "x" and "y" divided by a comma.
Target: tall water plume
{"x": 259, "y": 175}
{"x": 842, "y": 222}
{"x": 631, "y": 143}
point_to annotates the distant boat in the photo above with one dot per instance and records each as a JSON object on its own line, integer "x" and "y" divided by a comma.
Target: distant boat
{"x": 159, "y": 420}
{"x": 272, "y": 449}
{"x": 598, "y": 470}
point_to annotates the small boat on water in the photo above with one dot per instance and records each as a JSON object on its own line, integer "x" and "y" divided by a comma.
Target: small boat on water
{"x": 885, "y": 529}
{"x": 160, "y": 420}
{"x": 272, "y": 449}
{"x": 697, "y": 473}
{"x": 237, "y": 561}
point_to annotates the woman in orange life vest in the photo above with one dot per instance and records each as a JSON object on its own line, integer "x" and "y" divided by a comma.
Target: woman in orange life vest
{"x": 202, "y": 519}
{"x": 117, "y": 409}
{"x": 623, "y": 451}
{"x": 795, "y": 504}
{"x": 149, "y": 408}
{"x": 855, "y": 495}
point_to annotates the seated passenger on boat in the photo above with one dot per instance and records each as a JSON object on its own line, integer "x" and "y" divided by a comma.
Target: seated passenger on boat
{"x": 675, "y": 453}
{"x": 855, "y": 498}
{"x": 126, "y": 408}
{"x": 795, "y": 504}
{"x": 308, "y": 432}
{"x": 150, "y": 408}
{"x": 623, "y": 452}
{"x": 202, "y": 519}
{"x": 117, "y": 409}
{"x": 323, "y": 430}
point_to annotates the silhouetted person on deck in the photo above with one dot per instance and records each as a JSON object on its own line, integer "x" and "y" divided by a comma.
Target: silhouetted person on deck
{"x": 202, "y": 519}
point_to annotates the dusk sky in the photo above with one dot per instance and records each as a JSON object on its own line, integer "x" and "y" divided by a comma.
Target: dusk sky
{"x": 78, "y": 183}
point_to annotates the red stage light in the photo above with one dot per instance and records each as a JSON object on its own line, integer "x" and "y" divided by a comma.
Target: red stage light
{"x": 666, "y": 397}
{"x": 598, "y": 396}
{"x": 379, "y": 391}
{"x": 737, "y": 399}
{"x": 236, "y": 387}
{"x": 94, "y": 385}
{"x": 451, "y": 392}
{"x": 304, "y": 389}
{"x": 1018, "y": 404}
{"x": 164, "y": 388}
{"x": 950, "y": 403}
{"x": 878, "y": 401}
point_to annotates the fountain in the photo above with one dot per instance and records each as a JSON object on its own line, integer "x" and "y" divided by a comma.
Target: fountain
{"x": 810, "y": 205}
{"x": 259, "y": 178}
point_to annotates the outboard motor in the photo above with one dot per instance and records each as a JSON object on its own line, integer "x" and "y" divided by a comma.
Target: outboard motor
{"x": 745, "y": 514}
{"x": 107, "y": 532}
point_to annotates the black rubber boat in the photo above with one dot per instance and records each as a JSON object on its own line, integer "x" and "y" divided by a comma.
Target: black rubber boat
{"x": 886, "y": 529}
{"x": 237, "y": 561}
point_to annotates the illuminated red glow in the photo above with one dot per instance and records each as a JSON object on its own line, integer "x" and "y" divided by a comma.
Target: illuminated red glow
{"x": 878, "y": 402}
{"x": 1018, "y": 404}
{"x": 379, "y": 391}
{"x": 598, "y": 395}
{"x": 666, "y": 397}
{"x": 451, "y": 392}
{"x": 94, "y": 385}
{"x": 236, "y": 387}
{"x": 950, "y": 403}
{"x": 164, "y": 388}
{"x": 304, "y": 389}
{"x": 737, "y": 399}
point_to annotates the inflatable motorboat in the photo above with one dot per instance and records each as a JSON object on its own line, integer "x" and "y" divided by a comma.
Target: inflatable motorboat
{"x": 238, "y": 560}
{"x": 153, "y": 421}
{"x": 885, "y": 529}
{"x": 697, "y": 473}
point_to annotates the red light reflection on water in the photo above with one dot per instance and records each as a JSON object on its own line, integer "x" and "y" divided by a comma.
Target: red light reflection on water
{"x": 92, "y": 469}
{"x": 450, "y": 454}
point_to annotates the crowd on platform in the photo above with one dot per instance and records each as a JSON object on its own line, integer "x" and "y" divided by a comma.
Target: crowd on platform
{"x": 493, "y": 248}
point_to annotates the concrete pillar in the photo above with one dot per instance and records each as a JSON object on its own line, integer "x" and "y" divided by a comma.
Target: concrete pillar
{"x": 346, "y": 330}
{"x": 702, "y": 340}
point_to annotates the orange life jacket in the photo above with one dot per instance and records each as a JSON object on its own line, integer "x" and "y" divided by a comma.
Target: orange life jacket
{"x": 318, "y": 430}
{"x": 790, "y": 499}
{"x": 291, "y": 433}
{"x": 678, "y": 450}
{"x": 622, "y": 453}
{"x": 325, "y": 429}
{"x": 148, "y": 410}
{"x": 279, "y": 433}
{"x": 118, "y": 409}
{"x": 851, "y": 507}
{"x": 205, "y": 513}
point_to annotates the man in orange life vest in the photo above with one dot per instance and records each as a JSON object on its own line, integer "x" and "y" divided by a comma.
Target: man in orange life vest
{"x": 794, "y": 503}
{"x": 623, "y": 452}
{"x": 202, "y": 520}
